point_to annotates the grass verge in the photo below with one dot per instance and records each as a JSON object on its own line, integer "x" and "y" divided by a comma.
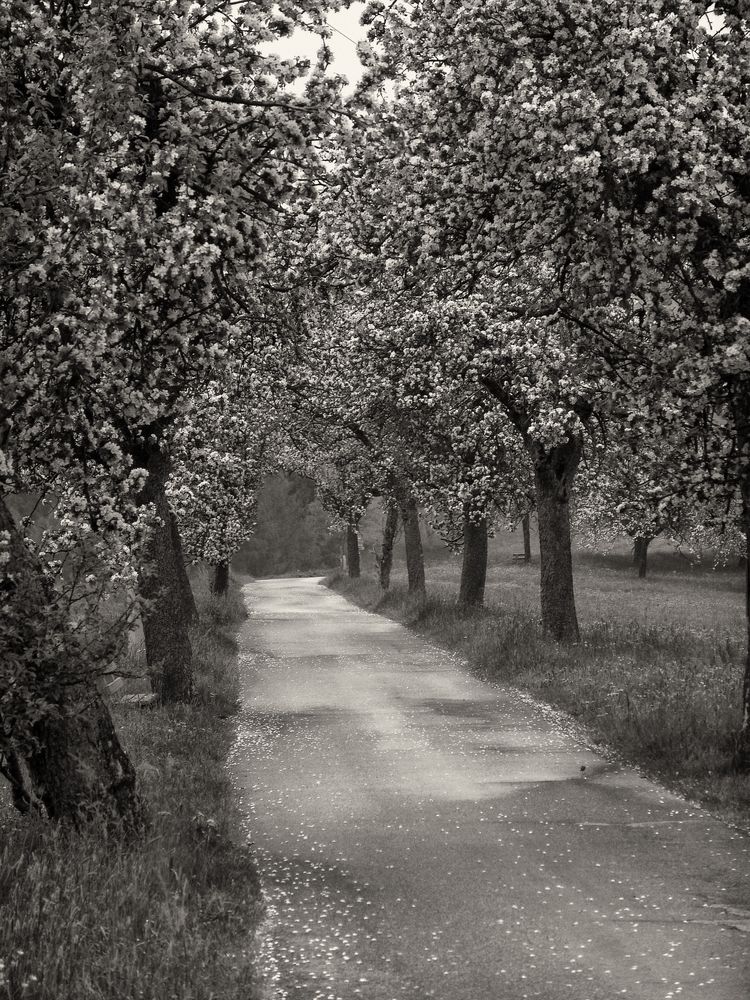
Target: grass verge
{"x": 172, "y": 916}
{"x": 665, "y": 697}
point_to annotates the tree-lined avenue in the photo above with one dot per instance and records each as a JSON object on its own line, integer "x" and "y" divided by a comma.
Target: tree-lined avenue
{"x": 423, "y": 834}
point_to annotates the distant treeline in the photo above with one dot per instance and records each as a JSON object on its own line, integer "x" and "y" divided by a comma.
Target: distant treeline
{"x": 293, "y": 533}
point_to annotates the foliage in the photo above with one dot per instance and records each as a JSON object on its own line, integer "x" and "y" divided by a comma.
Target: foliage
{"x": 604, "y": 148}
{"x": 150, "y": 153}
{"x": 176, "y": 912}
{"x": 69, "y": 600}
{"x": 293, "y": 533}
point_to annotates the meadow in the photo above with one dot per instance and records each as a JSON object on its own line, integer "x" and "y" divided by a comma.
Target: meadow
{"x": 657, "y": 675}
{"x": 173, "y": 915}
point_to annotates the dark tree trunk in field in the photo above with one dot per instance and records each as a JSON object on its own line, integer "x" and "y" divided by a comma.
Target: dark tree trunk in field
{"x": 526, "y": 527}
{"x": 640, "y": 554}
{"x": 741, "y": 414}
{"x": 554, "y": 472}
{"x": 188, "y": 599}
{"x": 165, "y": 622}
{"x": 74, "y": 763}
{"x": 474, "y": 568}
{"x": 385, "y": 562}
{"x": 413, "y": 546}
{"x": 220, "y": 581}
{"x": 352, "y": 551}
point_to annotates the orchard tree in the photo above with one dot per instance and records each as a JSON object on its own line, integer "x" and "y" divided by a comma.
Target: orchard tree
{"x": 481, "y": 317}
{"x": 347, "y": 428}
{"x": 185, "y": 152}
{"x": 221, "y": 448}
{"x": 612, "y": 139}
{"x": 150, "y": 151}
{"x": 67, "y": 603}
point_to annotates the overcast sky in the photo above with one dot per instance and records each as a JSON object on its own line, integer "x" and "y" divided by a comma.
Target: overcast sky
{"x": 345, "y": 23}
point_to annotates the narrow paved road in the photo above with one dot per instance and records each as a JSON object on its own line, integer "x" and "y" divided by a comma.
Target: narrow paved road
{"x": 422, "y": 834}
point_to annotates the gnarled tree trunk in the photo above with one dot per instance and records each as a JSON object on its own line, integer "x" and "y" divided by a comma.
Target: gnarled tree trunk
{"x": 165, "y": 621}
{"x": 71, "y": 755}
{"x": 385, "y": 560}
{"x": 189, "y": 606}
{"x": 220, "y": 580}
{"x": 640, "y": 554}
{"x": 79, "y": 770}
{"x": 413, "y": 545}
{"x": 554, "y": 472}
{"x": 474, "y": 567}
{"x": 352, "y": 551}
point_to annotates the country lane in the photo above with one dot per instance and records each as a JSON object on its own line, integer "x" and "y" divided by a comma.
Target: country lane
{"x": 422, "y": 834}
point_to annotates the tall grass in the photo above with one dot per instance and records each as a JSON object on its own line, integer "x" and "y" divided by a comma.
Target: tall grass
{"x": 172, "y": 916}
{"x": 665, "y": 696}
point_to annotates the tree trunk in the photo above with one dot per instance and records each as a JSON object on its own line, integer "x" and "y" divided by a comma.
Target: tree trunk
{"x": 474, "y": 568}
{"x": 554, "y": 472}
{"x": 526, "y": 527}
{"x": 189, "y": 606}
{"x": 12, "y": 768}
{"x": 413, "y": 546}
{"x": 745, "y": 732}
{"x": 165, "y": 622}
{"x": 741, "y": 415}
{"x": 385, "y": 562}
{"x": 80, "y": 765}
{"x": 640, "y": 554}
{"x": 352, "y": 551}
{"x": 220, "y": 581}
{"x": 71, "y": 755}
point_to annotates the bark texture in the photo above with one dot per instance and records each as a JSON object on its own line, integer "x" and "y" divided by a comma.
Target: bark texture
{"x": 80, "y": 770}
{"x": 352, "y": 551}
{"x": 385, "y": 560}
{"x": 189, "y": 606}
{"x": 526, "y": 528}
{"x": 640, "y": 554}
{"x": 165, "y": 622}
{"x": 554, "y": 472}
{"x": 413, "y": 545}
{"x": 474, "y": 567}
{"x": 220, "y": 580}
{"x": 71, "y": 756}
{"x": 741, "y": 414}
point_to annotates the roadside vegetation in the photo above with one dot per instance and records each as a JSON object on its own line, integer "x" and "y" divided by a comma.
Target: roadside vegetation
{"x": 656, "y": 676}
{"x": 173, "y": 913}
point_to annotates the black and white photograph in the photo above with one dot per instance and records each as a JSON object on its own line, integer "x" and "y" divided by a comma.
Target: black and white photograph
{"x": 374, "y": 499}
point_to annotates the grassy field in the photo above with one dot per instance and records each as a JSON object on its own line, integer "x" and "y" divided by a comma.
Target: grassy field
{"x": 656, "y": 676}
{"x": 173, "y": 916}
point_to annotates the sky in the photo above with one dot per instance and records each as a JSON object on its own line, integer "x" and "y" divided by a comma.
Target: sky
{"x": 347, "y": 32}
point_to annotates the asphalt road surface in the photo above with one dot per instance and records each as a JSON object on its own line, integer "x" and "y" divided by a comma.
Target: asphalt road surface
{"x": 422, "y": 834}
